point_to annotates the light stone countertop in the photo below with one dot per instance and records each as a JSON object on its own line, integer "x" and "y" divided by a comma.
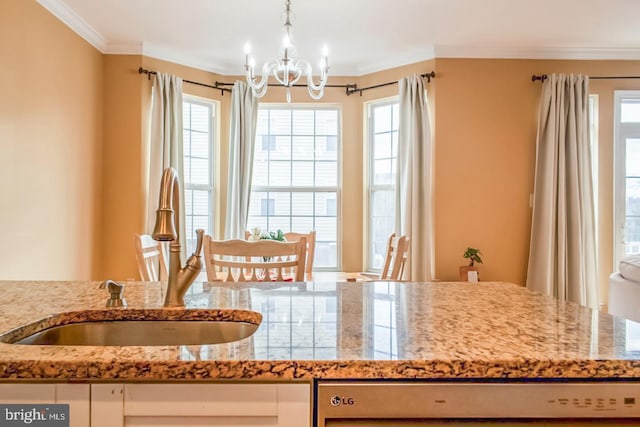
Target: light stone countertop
{"x": 330, "y": 330}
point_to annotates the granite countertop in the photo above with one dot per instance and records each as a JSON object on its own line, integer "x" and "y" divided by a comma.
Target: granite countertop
{"x": 330, "y": 330}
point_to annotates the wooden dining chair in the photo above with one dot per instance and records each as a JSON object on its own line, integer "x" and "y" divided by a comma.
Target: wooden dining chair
{"x": 151, "y": 258}
{"x": 242, "y": 260}
{"x": 311, "y": 246}
{"x": 395, "y": 258}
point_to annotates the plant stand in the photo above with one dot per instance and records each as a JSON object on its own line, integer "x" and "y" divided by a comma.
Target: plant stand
{"x": 464, "y": 273}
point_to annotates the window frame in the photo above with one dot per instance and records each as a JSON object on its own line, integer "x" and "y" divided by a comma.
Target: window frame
{"x": 622, "y": 131}
{"x": 370, "y": 181}
{"x": 312, "y": 189}
{"x": 212, "y": 106}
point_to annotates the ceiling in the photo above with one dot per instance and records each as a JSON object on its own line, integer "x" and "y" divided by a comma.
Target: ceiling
{"x": 363, "y": 36}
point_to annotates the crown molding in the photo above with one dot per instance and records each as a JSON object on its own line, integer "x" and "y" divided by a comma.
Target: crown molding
{"x": 155, "y": 51}
{"x": 512, "y": 52}
{"x": 424, "y": 54}
{"x": 123, "y": 49}
{"x": 71, "y": 19}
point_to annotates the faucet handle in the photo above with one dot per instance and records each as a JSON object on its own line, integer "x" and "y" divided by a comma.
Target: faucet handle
{"x": 199, "y": 241}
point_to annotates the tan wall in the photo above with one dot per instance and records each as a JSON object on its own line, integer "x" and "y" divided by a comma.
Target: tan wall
{"x": 123, "y": 214}
{"x": 485, "y": 157}
{"x": 50, "y": 144}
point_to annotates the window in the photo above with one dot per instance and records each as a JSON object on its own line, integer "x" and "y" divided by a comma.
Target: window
{"x": 295, "y": 175}
{"x": 198, "y": 138}
{"x": 383, "y": 148}
{"x": 627, "y": 174}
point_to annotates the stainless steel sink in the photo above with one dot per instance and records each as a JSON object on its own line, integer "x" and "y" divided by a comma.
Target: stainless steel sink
{"x": 142, "y": 333}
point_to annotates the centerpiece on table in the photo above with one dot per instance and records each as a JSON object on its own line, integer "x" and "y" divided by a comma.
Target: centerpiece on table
{"x": 257, "y": 234}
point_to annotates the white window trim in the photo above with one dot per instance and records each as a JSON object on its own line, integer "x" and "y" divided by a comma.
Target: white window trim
{"x": 213, "y": 105}
{"x": 621, "y": 132}
{"x": 369, "y": 179}
{"x": 337, "y": 189}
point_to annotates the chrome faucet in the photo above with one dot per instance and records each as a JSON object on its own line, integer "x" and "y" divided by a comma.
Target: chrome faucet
{"x": 167, "y": 228}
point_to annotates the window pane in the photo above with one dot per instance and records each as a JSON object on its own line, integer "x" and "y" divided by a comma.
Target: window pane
{"x": 326, "y": 122}
{"x": 302, "y": 148}
{"x": 632, "y": 192}
{"x": 303, "y": 122}
{"x": 282, "y": 203}
{"x": 200, "y": 171}
{"x": 260, "y": 172}
{"x": 630, "y": 111}
{"x": 632, "y": 235}
{"x": 382, "y": 146}
{"x": 383, "y": 174}
{"x": 633, "y": 157}
{"x": 327, "y": 147}
{"x": 305, "y": 156}
{"x": 280, "y": 122}
{"x": 323, "y": 204}
{"x": 382, "y": 119}
{"x": 280, "y": 173}
{"x": 326, "y": 174}
{"x": 303, "y": 173}
{"x": 301, "y": 224}
{"x": 200, "y": 144}
{"x": 201, "y": 201}
{"x": 302, "y": 204}
{"x": 282, "y": 149}
{"x": 199, "y": 118}
{"x": 279, "y": 223}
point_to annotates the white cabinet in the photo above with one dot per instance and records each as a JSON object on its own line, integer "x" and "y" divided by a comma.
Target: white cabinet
{"x": 76, "y": 395}
{"x": 246, "y": 405}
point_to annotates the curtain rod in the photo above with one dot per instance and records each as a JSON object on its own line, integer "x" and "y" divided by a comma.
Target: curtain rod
{"x": 355, "y": 89}
{"x": 543, "y": 77}
{"x": 350, "y": 88}
{"x": 221, "y": 89}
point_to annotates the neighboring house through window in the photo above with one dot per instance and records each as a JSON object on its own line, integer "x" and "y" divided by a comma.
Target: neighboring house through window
{"x": 295, "y": 175}
{"x": 198, "y": 136}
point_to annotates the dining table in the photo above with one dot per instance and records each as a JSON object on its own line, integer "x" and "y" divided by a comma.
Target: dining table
{"x": 315, "y": 276}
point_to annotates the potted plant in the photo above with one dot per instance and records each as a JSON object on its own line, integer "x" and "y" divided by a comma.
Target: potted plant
{"x": 473, "y": 255}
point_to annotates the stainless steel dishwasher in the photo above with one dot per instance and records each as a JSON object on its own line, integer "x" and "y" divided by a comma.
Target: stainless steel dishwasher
{"x": 383, "y": 403}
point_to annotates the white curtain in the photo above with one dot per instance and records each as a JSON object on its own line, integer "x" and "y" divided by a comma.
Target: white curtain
{"x": 414, "y": 180}
{"x": 166, "y": 145}
{"x": 562, "y": 254}
{"x": 242, "y": 133}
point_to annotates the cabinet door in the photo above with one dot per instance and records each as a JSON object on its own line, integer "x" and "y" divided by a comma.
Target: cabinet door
{"x": 76, "y": 395}
{"x": 229, "y": 405}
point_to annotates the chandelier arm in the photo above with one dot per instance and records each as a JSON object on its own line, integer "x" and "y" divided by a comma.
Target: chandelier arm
{"x": 264, "y": 78}
{"x": 309, "y": 73}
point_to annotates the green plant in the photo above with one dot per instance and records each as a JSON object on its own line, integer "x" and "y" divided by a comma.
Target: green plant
{"x": 473, "y": 255}
{"x": 257, "y": 234}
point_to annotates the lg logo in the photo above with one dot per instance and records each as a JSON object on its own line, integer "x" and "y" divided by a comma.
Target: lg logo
{"x": 337, "y": 401}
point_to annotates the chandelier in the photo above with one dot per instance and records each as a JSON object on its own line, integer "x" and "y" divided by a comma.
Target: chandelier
{"x": 288, "y": 70}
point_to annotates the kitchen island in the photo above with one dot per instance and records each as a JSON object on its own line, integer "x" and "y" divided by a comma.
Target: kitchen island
{"x": 440, "y": 330}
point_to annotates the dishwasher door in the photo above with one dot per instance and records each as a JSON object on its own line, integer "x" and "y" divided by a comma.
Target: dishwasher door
{"x": 420, "y": 403}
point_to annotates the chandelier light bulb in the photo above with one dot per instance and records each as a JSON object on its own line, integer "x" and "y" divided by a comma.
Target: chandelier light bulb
{"x": 247, "y": 48}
